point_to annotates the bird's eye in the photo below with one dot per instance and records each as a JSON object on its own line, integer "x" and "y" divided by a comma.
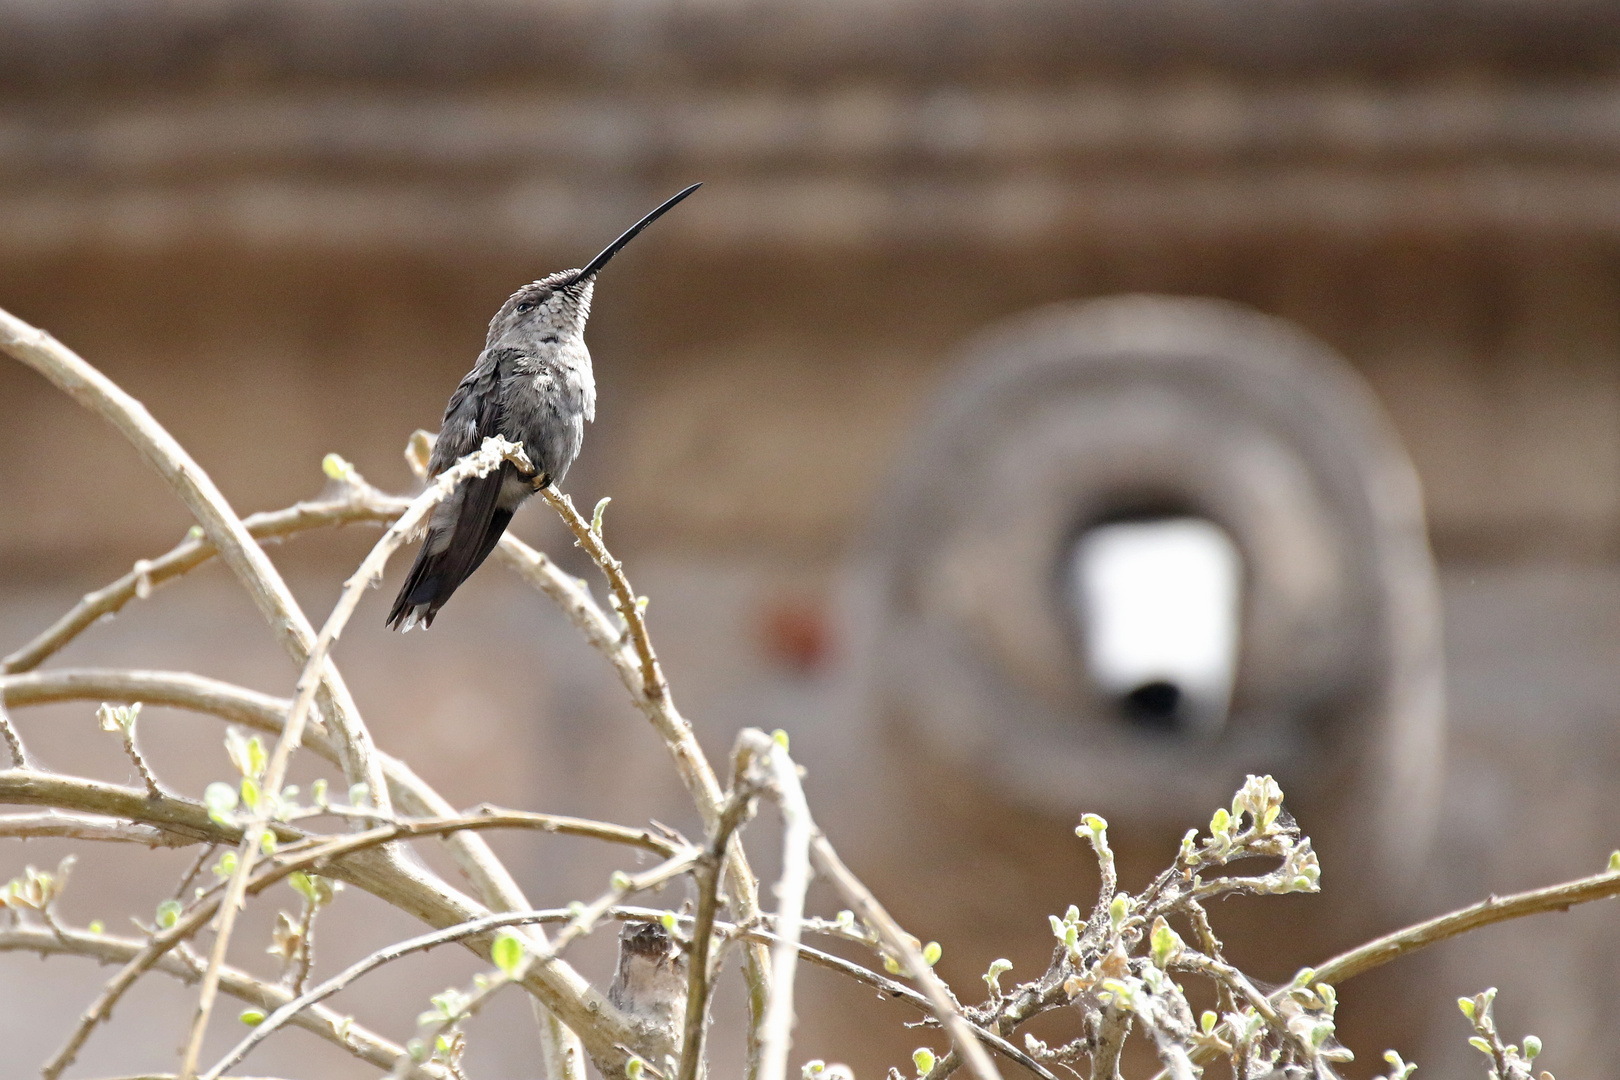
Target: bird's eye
{"x": 527, "y": 305}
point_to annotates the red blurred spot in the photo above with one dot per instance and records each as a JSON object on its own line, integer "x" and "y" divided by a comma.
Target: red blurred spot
{"x": 796, "y": 634}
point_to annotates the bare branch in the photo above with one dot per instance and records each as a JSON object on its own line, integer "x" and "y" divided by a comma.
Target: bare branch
{"x": 580, "y": 1007}
{"x": 362, "y": 503}
{"x": 580, "y": 922}
{"x": 797, "y": 830}
{"x": 707, "y": 876}
{"x": 899, "y": 942}
{"x": 19, "y": 756}
{"x": 88, "y": 827}
{"x": 478, "y": 463}
{"x": 334, "y": 1028}
{"x": 1492, "y": 909}
{"x": 651, "y": 695}
{"x": 247, "y": 561}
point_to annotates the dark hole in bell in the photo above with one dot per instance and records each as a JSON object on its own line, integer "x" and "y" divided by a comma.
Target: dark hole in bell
{"x": 1153, "y": 706}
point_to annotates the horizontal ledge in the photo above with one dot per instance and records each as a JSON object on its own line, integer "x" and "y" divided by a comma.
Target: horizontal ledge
{"x": 834, "y": 213}
{"x": 80, "y": 42}
{"x": 484, "y": 137}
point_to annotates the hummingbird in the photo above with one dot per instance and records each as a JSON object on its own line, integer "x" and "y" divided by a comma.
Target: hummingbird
{"x": 531, "y": 384}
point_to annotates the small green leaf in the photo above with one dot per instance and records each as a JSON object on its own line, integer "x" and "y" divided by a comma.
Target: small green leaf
{"x": 992, "y": 977}
{"x": 507, "y": 952}
{"x": 1166, "y": 943}
{"x": 1220, "y": 823}
{"x": 1467, "y": 1006}
{"x": 360, "y": 794}
{"x": 252, "y": 1017}
{"x": 1117, "y": 910}
{"x": 1207, "y": 1021}
{"x": 267, "y": 843}
{"x": 250, "y": 793}
{"x": 1614, "y": 861}
{"x": 780, "y": 737}
{"x": 620, "y": 881}
{"x": 635, "y": 1068}
{"x": 97, "y": 926}
{"x": 336, "y": 468}
{"x": 596, "y": 516}
{"x": 1532, "y": 1047}
{"x": 923, "y": 1058}
{"x": 302, "y": 884}
{"x": 195, "y": 532}
{"x": 226, "y": 865}
{"x": 168, "y": 913}
{"x": 668, "y": 920}
{"x": 417, "y": 1049}
{"x": 1482, "y": 1046}
{"x": 932, "y": 952}
{"x": 317, "y": 792}
{"x": 813, "y": 1069}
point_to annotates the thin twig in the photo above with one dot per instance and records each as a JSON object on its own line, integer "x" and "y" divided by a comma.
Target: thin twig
{"x": 706, "y": 874}
{"x": 88, "y": 827}
{"x": 899, "y": 942}
{"x": 263, "y": 712}
{"x": 626, "y": 601}
{"x": 191, "y": 873}
{"x": 677, "y": 864}
{"x": 1492, "y": 909}
{"x": 480, "y": 462}
{"x": 645, "y": 681}
{"x": 219, "y": 522}
{"x": 333, "y": 1027}
{"x": 304, "y": 954}
{"x": 14, "y": 744}
{"x": 583, "y": 922}
{"x": 361, "y": 503}
{"x": 556, "y": 985}
{"x": 148, "y": 777}
{"x": 797, "y": 829}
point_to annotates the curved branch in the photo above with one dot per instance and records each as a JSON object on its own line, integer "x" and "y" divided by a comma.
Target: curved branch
{"x": 224, "y": 529}
{"x": 1492, "y": 909}
{"x": 353, "y": 858}
{"x": 362, "y": 503}
{"x": 88, "y": 827}
{"x": 339, "y": 1030}
{"x": 579, "y": 923}
{"x": 645, "y": 680}
{"x": 900, "y": 943}
{"x": 263, "y": 712}
{"x": 480, "y": 462}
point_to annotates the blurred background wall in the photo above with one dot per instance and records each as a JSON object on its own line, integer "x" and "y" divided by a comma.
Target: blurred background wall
{"x": 284, "y": 226}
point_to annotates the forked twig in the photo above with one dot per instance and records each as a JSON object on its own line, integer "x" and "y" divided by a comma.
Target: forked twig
{"x": 579, "y": 923}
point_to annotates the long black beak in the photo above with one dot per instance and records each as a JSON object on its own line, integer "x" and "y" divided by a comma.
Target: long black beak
{"x": 612, "y": 249}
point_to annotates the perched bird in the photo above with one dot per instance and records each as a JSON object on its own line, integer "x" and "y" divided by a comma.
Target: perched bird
{"x": 531, "y": 384}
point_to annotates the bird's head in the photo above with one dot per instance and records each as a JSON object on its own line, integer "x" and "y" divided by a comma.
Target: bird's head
{"x": 553, "y": 310}
{"x": 547, "y": 312}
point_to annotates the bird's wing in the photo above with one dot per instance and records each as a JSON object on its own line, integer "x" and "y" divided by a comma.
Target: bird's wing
{"x": 474, "y": 412}
{"x": 463, "y": 530}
